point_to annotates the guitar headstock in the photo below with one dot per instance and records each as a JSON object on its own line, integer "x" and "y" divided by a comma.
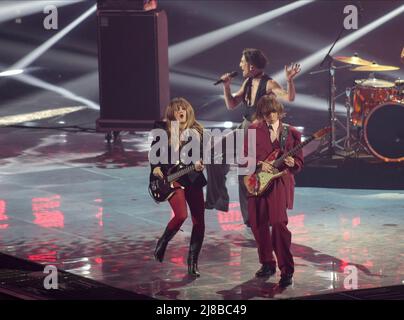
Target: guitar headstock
{"x": 322, "y": 132}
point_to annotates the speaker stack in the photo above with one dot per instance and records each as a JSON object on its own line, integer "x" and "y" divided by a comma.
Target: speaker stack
{"x": 133, "y": 65}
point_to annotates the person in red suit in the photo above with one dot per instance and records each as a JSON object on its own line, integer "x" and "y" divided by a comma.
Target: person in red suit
{"x": 270, "y": 208}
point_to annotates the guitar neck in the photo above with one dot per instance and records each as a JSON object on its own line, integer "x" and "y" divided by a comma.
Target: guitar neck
{"x": 278, "y": 162}
{"x": 180, "y": 173}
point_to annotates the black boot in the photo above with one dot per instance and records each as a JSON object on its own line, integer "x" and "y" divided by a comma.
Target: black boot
{"x": 193, "y": 269}
{"x": 162, "y": 244}
{"x": 194, "y": 249}
{"x": 265, "y": 271}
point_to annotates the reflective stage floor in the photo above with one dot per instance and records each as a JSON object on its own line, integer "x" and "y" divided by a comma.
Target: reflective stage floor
{"x": 70, "y": 200}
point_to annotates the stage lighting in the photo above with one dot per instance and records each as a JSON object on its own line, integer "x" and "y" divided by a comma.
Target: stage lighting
{"x": 28, "y": 59}
{"x": 310, "y": 61}
{"x": 32, "y": 56}
{"x": 23, "y": 77}
{"x": 38, "y": 115}
{"x": 228, "y": 124}
{"x": 191, "y": 47}
{"x": 10, "y": 10}
{"x": 11, "y": 72}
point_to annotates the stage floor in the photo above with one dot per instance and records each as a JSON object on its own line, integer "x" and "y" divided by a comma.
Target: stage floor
{"x": 70, "y": 200}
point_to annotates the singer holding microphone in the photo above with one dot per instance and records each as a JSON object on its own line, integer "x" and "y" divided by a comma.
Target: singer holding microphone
{"x": 255, "y": 85}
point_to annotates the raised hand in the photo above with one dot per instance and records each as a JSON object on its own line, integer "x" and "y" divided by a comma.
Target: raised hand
{"x": 292, "y": 70}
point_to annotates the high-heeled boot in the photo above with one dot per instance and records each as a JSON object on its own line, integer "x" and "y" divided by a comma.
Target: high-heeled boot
{"x": 193, "y": 268}
{"x": 193, "y": 254}
{"x": 162, "y": 244}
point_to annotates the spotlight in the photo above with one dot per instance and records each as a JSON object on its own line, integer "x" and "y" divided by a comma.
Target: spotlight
{"x": 11, "y": 72}
{"x": 228, "y": 124}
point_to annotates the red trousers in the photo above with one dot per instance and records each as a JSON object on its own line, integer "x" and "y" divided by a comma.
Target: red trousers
{"x": 178, "y": 202}
{"x": 277, "y": 240}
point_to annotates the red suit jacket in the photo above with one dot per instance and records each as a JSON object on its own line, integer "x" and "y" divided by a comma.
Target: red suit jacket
{"x": 279, "y": 197}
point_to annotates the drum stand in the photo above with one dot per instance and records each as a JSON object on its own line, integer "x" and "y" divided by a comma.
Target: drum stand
{"x": 352, "y": 144}
{"x": 332, "y": 147}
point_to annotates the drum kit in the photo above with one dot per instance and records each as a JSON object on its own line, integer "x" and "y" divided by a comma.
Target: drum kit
{"x": 375, "y": 111}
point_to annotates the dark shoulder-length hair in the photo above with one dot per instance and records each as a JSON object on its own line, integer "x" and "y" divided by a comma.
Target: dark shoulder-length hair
{"x": 255, "y": 57}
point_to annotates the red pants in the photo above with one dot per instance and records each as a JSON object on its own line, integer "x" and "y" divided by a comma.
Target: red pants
{"x": 278, "y": 240}
{"x": 178, "y": 202}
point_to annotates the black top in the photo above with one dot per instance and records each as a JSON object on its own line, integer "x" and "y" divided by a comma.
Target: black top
{"x": 248, "y": 109}
{"x": 193, "y": 178}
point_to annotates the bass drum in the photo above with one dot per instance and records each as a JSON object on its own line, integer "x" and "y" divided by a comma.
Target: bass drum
{"x": 384, "y": 132}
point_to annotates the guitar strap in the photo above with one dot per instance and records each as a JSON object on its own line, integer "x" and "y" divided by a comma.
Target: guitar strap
{"x": 284, "y": 135}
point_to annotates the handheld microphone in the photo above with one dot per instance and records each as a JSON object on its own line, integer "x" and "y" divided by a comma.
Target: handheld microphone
{"x": 232, "y": 75}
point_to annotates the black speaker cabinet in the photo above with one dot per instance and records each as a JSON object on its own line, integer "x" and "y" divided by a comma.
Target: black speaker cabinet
{"x": 120, "y": 4}
{"x": 133, "y": 68}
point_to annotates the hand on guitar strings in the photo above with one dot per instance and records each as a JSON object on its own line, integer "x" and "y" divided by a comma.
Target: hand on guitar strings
{"x": 267, "y": 167}
{"x": 289, "y": 161}
{"x": 158, "y": 173}
{"x": 199, "y": 166}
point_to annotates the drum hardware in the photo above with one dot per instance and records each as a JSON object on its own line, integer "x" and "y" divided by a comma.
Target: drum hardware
{"x": 360, "y": 100}
{"x": 333, "y": 146}
{"x": 380, "y": 133}
{"x": 375, "y": 83}
{"x": 369, "y": 93}
{"x": 384, "y": 132}
{"x": 400, "y": 87}
{"x": 348, "y": 137}
{"x": 378, "y": 98}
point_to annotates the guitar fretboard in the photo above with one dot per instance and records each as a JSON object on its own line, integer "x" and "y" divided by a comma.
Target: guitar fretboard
{"x": 180, "y": 173}
{"x": 278, "y": 162}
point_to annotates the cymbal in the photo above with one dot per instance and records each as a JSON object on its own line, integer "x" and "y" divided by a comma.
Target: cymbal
{"x": 355, "y": 60}
{"x": 374, "y": 83}
{"x": 375, "y": 67}
{"x": 399, "y": 82}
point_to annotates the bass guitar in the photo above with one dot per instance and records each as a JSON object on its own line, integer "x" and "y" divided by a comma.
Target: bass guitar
{"x": 163, "y": 189}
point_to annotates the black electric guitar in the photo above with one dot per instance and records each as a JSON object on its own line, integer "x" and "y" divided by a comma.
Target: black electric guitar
{"x": 163, "y": 189}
